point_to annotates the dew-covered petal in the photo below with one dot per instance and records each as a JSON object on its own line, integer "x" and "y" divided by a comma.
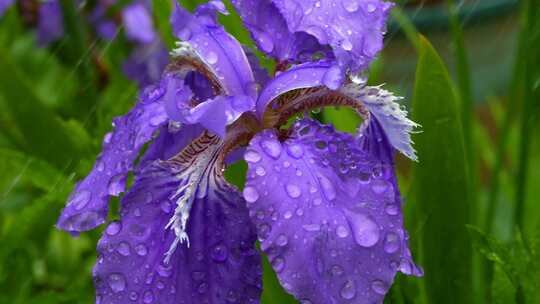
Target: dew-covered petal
{"x": 271, "y": 34}
{"x": 354, "y": 29}
{"x": 138, "y": 23}
{"x": 87, "y": 205}
{"x": 391, "y": 116}
{"x": 220, "y": 265}
{"x": 50, "y": 22}
{"x": 328, "y": 212}
{"x": 146, "y": 63}
{"x": 205, "y": 40}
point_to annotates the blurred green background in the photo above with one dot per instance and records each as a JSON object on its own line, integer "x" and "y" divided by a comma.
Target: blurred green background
{"x": 471, "y": 79}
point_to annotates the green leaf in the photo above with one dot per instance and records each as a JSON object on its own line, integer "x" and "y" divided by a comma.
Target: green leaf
{"x": 45, "y": 135}
{"x": 440, "y": 183}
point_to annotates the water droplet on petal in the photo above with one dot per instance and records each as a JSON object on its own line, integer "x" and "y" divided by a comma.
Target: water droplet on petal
{"x": 328, "y": 188}
{"x": 293, "y": 190}
{"x": 350, "y": 6}
{"x": 336, "y": 270}
{"x": 391, "y": 242}
{"x": 117, "y": 282}
{"x": 347, "y": 45}
{"x": 220, "y": 253}
{"x": 282, "y": 240}
{"x": 366, "y": 233}
{"x": 271, "y": 147}
{"x": 379, "y": 186}
{"x": 252, "y": 156}
{"x": 80, "y": 199}
{"x": 391, "y": 209}
{"x": 311, "y": 227}
{"x": 379, "y": 287}
{"x": 348, "y": 290}
{"x": 148, "y": 297}
{"x": 250, "y": 194}
{"x": 263, "y": 40}
{"x": 133, "y": 296}
{"x": 317, "y": 201}
{"x": 287, "y": 215}
{"x": 342, "y": 231}
{"x": 124, "y": 249}
{"x": 278, "y": 264}
{"x": 260, "y": 171}
{"x": 212, "y": 58}
{"x": 113, "y": 228}
{"x": 295, "y": 151}
{"x": 333, "y": 78}
{"x": 116, "y": 185}
{"x": 164, "y": 270}
{"x": 141, "y": 249}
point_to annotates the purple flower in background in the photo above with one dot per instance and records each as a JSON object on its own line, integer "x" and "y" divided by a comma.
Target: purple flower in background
{"x": 149, "y": 57}
{"x": 4, "y": 5}
{"x": 324, "y": 204}
{"x": 50, "y": 22}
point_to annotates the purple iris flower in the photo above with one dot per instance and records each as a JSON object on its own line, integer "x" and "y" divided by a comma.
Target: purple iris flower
{"x": 50, "y": 22}
{"x": 323, "y": 204}
{"x": 4, "y": 5}
{"x": 150, "y": 56}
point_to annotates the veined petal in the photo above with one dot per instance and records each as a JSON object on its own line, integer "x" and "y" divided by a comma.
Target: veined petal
{"x": 306, "y": 75}
{"x": 287, "y": 95}
{"x": 328, "y": 212}
{"x": 210, "y": 46}
{"x": 88, "y": 204}
{"x": 220, "y": 264}
{"x": 138, "y": 23}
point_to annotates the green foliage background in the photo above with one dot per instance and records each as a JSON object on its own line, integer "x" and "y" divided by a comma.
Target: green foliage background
{"x": 472, "y": 208}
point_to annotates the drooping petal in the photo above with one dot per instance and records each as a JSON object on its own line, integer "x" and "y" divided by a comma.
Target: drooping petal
{"x": 138, "y": 23}
{"x": 87, "y": 205}
{"x": 207, "y": 42}
{"x": 50, "y": 22}
{"x": 220, "y": 265}
{"x": 328, "y": 212}
{"x": 269, "y": 30}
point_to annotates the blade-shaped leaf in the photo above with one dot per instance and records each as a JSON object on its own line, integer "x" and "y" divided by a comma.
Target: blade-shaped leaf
{"x": 440, "y": 183}
{"x": 45, "y": 136}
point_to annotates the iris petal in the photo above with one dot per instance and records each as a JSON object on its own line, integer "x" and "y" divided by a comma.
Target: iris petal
{"x": 88, "y": 204}
{"x": 350, "y": 31}
{"x": 328, "y": 212}
{"x": 221, "y": 53}
{"x": 219, "y": 265}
